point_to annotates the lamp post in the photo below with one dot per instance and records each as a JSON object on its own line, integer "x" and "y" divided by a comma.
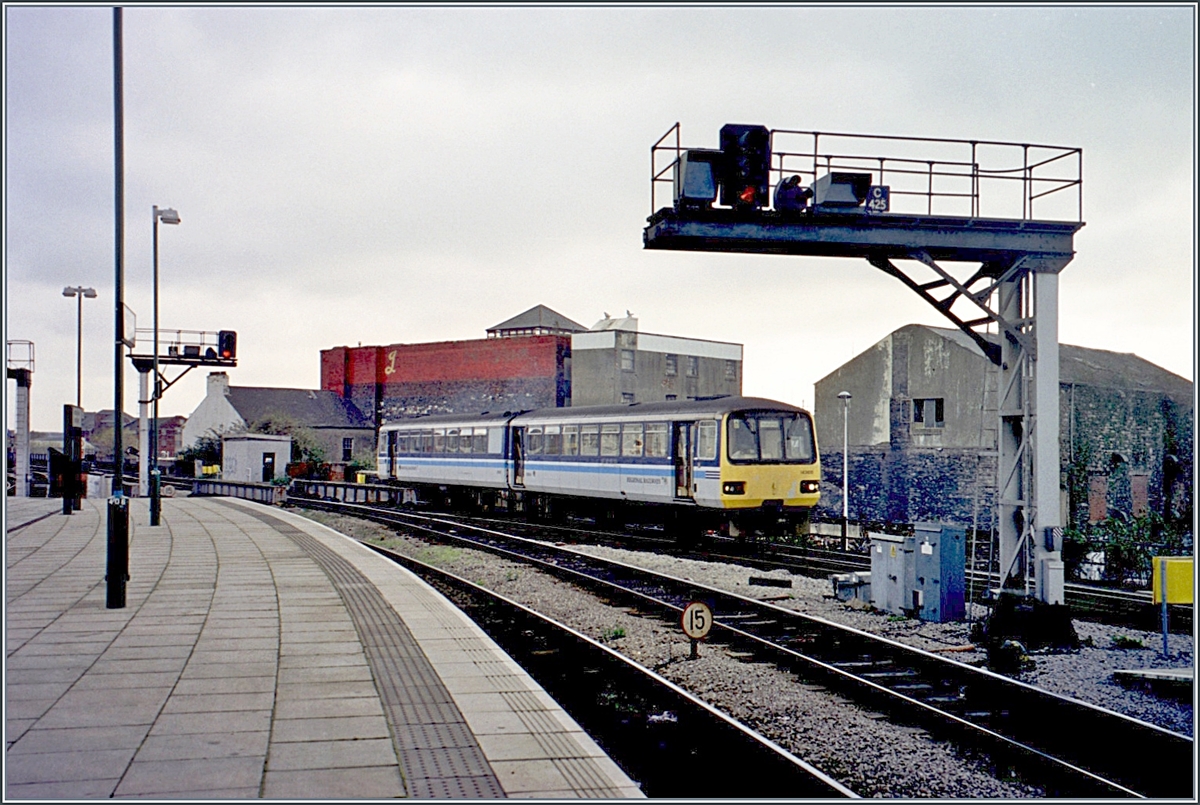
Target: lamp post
{"x": 845, "y": 398}
{"x": 167, "y": 216}
{"x": 81, "y": 293}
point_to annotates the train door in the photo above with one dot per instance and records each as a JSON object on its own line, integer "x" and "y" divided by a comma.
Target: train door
{"x": 518, "y": 456}
{"x": 391, "y": 453}
{"x": 682, "y": 458}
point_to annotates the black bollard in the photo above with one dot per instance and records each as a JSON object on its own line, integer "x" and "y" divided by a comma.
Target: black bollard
{"x": 118, "y": 551}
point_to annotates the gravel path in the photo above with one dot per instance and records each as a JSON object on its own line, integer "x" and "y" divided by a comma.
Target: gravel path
{"x": 863, "y": 750}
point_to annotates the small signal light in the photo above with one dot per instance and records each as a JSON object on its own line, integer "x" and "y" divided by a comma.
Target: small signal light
{"x": 747, "y": 195}
{"x": 227, "y": 344}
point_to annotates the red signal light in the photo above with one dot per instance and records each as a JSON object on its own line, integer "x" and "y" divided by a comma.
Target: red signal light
{"x": 747, "y": 195}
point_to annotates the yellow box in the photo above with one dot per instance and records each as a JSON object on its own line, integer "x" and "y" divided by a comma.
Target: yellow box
{"x": 1180, "y": 575}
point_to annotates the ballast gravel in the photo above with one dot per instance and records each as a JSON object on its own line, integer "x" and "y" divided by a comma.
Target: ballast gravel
{"x": 861, "y": 749}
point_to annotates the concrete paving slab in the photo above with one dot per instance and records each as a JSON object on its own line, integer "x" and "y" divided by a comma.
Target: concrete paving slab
{"x": 236, "y": 670}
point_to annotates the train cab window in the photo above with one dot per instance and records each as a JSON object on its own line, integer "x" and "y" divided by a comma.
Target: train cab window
{"x": 656, "y": 440}
{"x": 452, "y": 440}
{"x": 799, "y": 444}
{"x": 534, "y": 440}
{"x": 553, "y": 440}
{"x": 610, "y": 440}
{"x": 479, "y": 440}
{"x": 770, "y": 440}
{"x": 570, "y": 440}
{"x": 632, "y": 443}
{"x": 706, "y": 440}
{"x": 589, "y": 440}
{"x": 439, "y": 440}
{"x": 743, "y": 439}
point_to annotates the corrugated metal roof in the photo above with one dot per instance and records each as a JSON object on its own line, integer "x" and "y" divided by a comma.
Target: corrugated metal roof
{"x": 315, "y": 409}
{"x": 539, "y": 316}
{"x": 1094, "y": 367}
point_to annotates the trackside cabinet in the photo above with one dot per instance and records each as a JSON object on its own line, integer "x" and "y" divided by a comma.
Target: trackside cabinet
{"x": 891, "y": 556}
{"x": 939, "y": 563}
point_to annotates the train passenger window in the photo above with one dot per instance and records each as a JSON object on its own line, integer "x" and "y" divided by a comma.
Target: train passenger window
{"x": 439, "y": 440}
{"x": 770, "y": 439}
{"x": 589, "y": 440}
{"x": 570, "y": 444}
{"x": 610, "y": 440}
{"x": 554, "y": 440}
{"x": 799, "y": 444}
{"x": 706, "y": 440}
{"x": 401, "y": 442}
{"x": 427, "y": 441}
{"x": 452, "y": 440}
{"x": 632, "y": 443}
{"x": 656, "y": 440}
{"x": 534, "y": 441}
{"x": 495, "y": 441}
{"x": 480, "y": 441}
{"x": 466, "y": 441}
{"x": 743, "y": 440}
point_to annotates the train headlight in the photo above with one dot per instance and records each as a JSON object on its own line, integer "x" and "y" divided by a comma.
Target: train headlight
{"x": 733, "y": 488}
{"x": 809, "y": 487}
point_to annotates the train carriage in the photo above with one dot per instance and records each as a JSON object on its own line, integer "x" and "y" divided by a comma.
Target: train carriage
{"x": 733, "y": 463}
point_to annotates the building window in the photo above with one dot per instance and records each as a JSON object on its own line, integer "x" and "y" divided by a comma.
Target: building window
{"x": 626, "y": 396}
{"x": 347, "y": 448}
{"x": 693, "y": 366}
{"x": 672, "y": 365}
{"x": 731, "y": 370}
{"x": 930, "y": 412}
{"x": 627, "y": 360}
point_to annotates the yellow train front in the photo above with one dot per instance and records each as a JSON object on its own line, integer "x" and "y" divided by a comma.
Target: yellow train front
{"x": 767, "y": 469}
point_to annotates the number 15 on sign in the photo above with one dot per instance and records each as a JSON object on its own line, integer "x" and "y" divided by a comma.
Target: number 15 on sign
{"x": 696, "y": 621}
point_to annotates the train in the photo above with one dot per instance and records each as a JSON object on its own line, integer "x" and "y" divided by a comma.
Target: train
{"x": 738, "y": 466}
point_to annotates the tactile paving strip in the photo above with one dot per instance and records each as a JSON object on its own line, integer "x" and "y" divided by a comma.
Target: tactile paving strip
{"x": 438, "y": 753}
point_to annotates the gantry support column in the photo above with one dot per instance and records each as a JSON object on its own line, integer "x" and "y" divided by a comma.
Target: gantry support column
{"x": 143, "y": 434}
{"x": 24, "y": 379}
{"x": 1030, "y": 519}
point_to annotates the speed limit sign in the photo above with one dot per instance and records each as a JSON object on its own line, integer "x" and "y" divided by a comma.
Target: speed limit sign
{"x": 696, "y": 620}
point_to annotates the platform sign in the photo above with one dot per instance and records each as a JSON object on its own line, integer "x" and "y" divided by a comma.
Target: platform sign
{"x": 879, "y": 198}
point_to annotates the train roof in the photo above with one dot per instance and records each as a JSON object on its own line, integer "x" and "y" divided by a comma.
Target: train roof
{"x": 713, "y": 407}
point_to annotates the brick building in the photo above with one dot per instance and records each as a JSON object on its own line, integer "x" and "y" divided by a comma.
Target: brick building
{"x": 922, "y": 426}
{"x": 539, "y": 359}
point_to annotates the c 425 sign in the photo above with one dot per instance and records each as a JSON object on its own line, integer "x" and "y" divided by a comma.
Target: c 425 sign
{"x": 878, "y": 198}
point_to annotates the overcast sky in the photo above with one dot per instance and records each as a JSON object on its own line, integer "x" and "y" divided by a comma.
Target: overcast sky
{"x": 397, "y": 175}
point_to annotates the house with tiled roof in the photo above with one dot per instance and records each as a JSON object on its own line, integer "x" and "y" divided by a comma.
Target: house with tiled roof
{"x": 341, "y": 431}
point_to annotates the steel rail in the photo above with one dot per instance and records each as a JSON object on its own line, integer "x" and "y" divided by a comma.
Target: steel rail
{"x": 664, "y": 737}
{"x": 1079, "y": 749}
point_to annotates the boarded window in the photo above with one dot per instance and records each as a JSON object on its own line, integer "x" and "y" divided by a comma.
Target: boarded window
{"x": 1139, "y": 490}
{"x": 731, "y": 370}
{"x": 627, "y": 360}
{"x": 1097, "y": 498}
{"x": 672, "y": 365}
{"x": 693, "y": 366}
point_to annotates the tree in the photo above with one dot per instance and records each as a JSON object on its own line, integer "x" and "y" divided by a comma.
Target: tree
{"x": 306, "y": 446}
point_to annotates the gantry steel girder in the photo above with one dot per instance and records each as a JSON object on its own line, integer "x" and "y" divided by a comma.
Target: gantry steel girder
{"x": 1015, "y": 288}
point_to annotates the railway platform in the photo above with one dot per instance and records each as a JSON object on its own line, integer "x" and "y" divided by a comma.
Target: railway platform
{"x": 260, "y": 655}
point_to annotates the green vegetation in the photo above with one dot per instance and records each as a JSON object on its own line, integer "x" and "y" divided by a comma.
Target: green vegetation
{"x": 1123, "y": 642}
{"x": 612, "y": 633}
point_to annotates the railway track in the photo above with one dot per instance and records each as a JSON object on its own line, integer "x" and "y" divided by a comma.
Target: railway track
{"x": 663, "y": 737}
{"x": 1069, "y": 747}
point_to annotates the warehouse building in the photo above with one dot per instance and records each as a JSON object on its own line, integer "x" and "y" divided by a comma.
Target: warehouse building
{"x": 922, "y": 422}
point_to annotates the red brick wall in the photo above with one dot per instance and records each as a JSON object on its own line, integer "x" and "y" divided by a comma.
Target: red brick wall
{"x": 333, "y": 370}
{"x": 483, "y": 359}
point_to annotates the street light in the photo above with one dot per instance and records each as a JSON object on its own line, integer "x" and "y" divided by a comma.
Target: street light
{"x": 167, "y": 216}
{"x": 845, "y": 398}
{"x": 81, "y": 293}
